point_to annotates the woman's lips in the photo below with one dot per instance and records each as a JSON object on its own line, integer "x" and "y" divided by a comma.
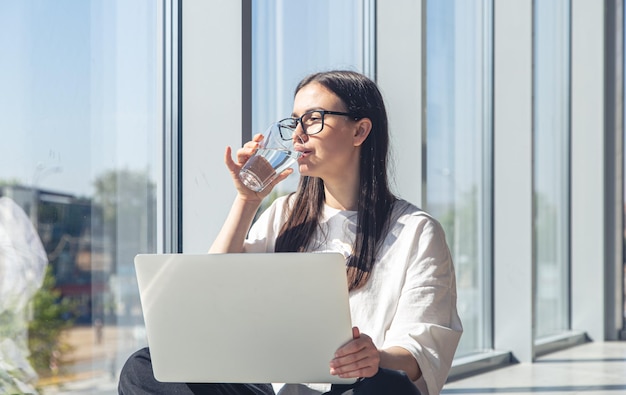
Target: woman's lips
{"x": 303, "y": 151}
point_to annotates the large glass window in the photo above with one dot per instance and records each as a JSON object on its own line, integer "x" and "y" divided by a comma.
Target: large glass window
{"x": 291, "y": 39}
{"x": 80, "y": 165}
{"x": 551, "y": 131}
{"x": 458, "y": 151}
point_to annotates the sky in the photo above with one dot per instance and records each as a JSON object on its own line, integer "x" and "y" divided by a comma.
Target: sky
{"x": 79, "y": 90}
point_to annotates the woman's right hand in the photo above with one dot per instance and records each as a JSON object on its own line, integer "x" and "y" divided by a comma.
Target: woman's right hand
{"x": 243, "y": 154}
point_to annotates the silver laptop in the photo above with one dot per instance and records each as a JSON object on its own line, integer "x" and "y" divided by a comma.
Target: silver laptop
{"x": 244, "y": 318}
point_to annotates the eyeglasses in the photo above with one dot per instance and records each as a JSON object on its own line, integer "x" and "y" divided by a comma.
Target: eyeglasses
{"x": 312, "y": 122}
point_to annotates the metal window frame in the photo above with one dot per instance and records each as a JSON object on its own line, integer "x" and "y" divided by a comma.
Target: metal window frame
{"x": 171, "y": 238}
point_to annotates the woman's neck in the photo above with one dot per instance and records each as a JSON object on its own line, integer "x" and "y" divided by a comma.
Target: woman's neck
{"x": 342, "y": 196}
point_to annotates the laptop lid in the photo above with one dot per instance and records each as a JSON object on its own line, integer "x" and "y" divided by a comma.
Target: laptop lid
{"x": 244, "y": 318}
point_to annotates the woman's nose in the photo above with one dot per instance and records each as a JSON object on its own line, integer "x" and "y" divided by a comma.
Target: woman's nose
{"x": 299, "y": 136}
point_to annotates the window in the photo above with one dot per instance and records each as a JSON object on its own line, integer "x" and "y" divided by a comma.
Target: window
{"x": 80, "y": 166}
{"x": 458, "y": 151}
{"x": 551, "y": 166}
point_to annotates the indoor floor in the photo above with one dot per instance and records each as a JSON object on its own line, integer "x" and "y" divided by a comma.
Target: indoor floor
{"x": 595, "y": 368}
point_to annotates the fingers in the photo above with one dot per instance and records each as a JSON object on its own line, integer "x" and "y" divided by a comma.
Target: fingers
{"x": 356, "y": 370}
{"x": 350, "y": 366}
{"x": 228, "y": 160}
{"x": 248, "y": 149}
{"x": 242, "y": 156}
{"x": 286, "y": 173}
{"x": 358, "y": 358}
{"x": 234, "y": 169}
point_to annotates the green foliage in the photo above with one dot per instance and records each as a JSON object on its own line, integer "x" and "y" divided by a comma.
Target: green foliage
{"x": 43, "y": 337}
{"x": 10, "y": 182}
{"x": 52, "y": 316}
{"x": 125, "y": 200}
{"x": 123, "y": 191}
{"x": 9, "y": 325}
{"x": 13, "y": 374}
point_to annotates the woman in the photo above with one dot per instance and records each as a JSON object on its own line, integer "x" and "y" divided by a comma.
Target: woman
{"x": 400, "y": 274}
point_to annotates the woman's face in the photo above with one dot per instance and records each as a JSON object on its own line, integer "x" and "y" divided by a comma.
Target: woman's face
{"x": 333, "y": 153}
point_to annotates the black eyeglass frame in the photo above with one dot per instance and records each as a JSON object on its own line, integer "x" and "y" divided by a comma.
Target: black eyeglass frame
{"x": 298, "y": 120}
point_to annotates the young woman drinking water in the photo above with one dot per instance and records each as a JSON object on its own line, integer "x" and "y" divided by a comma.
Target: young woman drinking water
{"x": 400, "y": 273}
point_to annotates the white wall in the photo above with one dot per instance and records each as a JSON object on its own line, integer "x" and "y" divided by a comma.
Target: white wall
{"x": 587, "y": 190}
{"x": 400, "y": 76}
{"x": 212, "y": 115}
{"x": 513, "y": 182}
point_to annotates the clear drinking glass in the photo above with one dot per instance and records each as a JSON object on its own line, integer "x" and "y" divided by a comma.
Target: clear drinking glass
{"x": 273, "y": 156}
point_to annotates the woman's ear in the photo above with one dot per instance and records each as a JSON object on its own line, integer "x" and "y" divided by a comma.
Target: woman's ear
{"x": 363, "y": 128}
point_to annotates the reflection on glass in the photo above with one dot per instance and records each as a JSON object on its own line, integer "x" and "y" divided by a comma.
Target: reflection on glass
{"x": 293, "y": 38}
{"x": 458, "y": 168}
{"x": 80, "y": 164}
{"x": 551, "y": 166}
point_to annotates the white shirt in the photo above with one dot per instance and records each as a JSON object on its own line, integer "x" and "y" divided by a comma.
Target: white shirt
{"x": 410, "y": 298}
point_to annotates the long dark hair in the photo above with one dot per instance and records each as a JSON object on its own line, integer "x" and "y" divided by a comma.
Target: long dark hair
{"x": 362, "y": 99}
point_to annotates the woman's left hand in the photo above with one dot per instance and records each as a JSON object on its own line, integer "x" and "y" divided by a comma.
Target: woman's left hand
{"x": 357, "y": 358}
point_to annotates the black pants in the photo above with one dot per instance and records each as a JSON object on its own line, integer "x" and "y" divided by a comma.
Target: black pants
{"x": 137, "y": 378}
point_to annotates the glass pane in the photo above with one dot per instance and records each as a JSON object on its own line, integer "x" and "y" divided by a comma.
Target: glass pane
{"x": 293, "y": 38}
{"x": 551, "y": 166}
{"x": 80, "y": 164}
{"x": 458, "y": 172}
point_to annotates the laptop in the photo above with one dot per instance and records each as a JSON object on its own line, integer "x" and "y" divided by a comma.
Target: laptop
{"x": 244, "y": 318}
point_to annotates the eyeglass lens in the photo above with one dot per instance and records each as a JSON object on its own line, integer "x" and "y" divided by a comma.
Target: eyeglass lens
{"x": 312, "y": 122}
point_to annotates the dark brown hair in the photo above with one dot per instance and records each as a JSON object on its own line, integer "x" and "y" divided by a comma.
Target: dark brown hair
{"x": 363, "y": 100}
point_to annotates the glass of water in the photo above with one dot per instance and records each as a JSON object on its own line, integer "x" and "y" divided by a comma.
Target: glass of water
{"x": 273, "y": 156}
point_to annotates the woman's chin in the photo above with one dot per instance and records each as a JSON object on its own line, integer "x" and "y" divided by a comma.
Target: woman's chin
{"x": 309, "y": 170}
{"x": 303, "y": 170}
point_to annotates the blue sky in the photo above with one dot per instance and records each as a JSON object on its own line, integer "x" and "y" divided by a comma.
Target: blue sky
{"x": 77, "y": 79}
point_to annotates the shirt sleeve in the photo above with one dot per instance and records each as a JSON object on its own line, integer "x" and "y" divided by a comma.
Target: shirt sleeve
{"x": 426, "y": 322}
{"x": 263, "y": 233}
